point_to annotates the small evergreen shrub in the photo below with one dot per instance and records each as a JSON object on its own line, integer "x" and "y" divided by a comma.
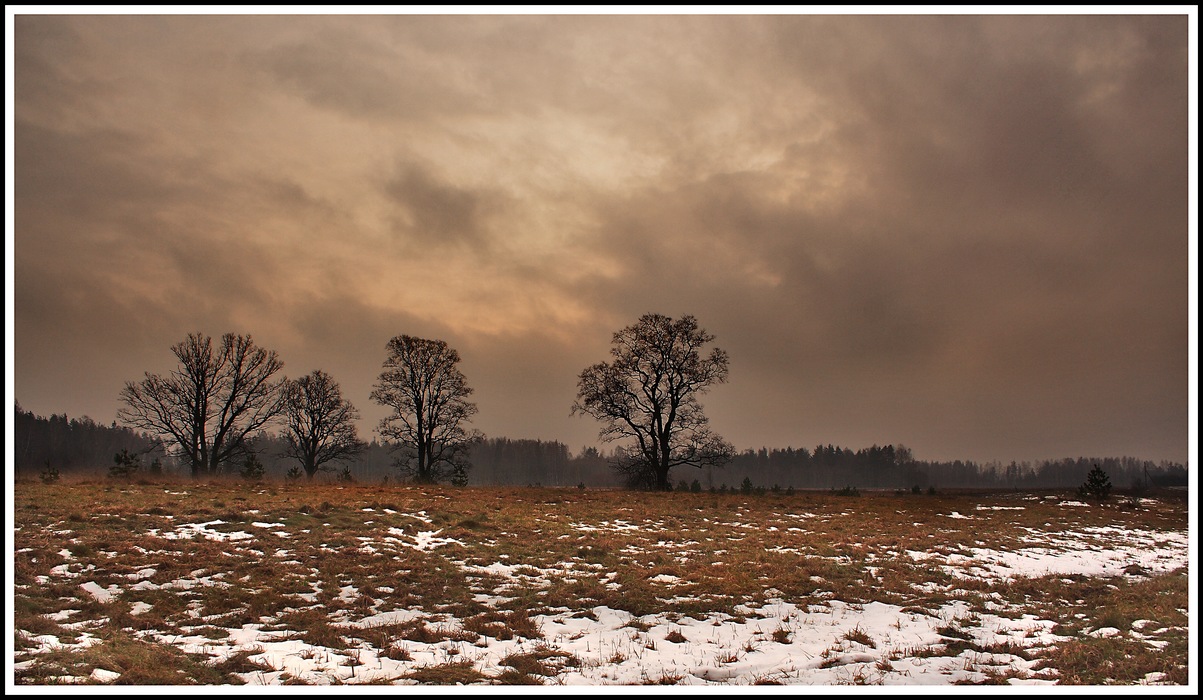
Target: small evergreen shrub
{"x": 50, "y": 474}
{"x": 1097, "y": 486}
{"x": 124, "y": 465}
{"x": 252, "y": 468}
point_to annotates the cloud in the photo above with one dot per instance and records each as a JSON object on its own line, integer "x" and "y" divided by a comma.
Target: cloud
{"x": 908, "y": 229}
{"x": 435, "y": 213}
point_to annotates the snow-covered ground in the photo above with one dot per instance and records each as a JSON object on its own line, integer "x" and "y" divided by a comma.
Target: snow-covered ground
{"x": 773, "y": 640}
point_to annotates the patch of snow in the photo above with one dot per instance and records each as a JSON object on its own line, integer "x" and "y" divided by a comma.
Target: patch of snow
{"x": 188, "y": 531}
{"x": 101, "y": 675}
{"x": 102, "y": 595}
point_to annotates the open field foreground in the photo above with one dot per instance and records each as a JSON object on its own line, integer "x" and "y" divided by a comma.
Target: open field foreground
{"x": 218, "y": 583}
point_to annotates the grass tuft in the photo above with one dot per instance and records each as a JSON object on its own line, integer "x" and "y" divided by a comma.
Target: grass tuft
{"x": 452, "y": 673}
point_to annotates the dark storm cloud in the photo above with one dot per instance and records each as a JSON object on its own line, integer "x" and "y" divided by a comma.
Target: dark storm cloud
{"x": 993, "y": 258}
{"x": 432, "y": 212}
{"x": 966, "y": 234}
{"x": 95, "y": 216}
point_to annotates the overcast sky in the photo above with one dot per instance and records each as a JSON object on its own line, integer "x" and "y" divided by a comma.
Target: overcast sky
{"x": 968, "y": 235}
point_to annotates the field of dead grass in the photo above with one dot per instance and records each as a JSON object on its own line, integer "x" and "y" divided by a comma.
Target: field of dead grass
{"x": 229, "y": 583}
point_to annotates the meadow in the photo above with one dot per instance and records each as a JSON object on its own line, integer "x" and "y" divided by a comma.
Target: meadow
{"x": 224, "y": 583}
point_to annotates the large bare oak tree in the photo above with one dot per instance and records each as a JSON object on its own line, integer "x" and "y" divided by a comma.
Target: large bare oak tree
{"x": 208, "y": 405}
{"x": 649, "y": 393}
{"x": 428, "y": 395}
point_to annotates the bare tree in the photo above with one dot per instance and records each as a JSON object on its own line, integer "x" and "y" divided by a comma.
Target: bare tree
{"x": 211, "y": 402}
{"x": 428, "y": 394}
{"x": 649, "y": 393}
{"x": 320, "y": 423}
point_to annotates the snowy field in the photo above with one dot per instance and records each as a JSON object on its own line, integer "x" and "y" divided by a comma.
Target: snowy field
{"x": 482, "y": 587}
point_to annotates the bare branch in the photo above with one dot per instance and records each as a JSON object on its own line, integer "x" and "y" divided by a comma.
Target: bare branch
{"x": 210, "y": 402}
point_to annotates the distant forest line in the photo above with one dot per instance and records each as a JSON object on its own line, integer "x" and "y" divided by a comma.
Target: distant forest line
{"x": 82, "y": 446}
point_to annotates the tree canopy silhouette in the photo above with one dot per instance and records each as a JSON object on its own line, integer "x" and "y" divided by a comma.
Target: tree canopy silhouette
{"x": 211, "y": 402}
{"x": 320, "y": 423}
{"x": 428, "y": 395}
{"x": 649, "y": 393}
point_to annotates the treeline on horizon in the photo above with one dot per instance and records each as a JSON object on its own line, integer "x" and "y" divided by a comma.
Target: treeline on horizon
{"x": 84, "y": 447}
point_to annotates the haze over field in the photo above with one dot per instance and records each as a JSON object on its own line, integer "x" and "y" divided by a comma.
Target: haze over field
{"x": 966, "y": 234}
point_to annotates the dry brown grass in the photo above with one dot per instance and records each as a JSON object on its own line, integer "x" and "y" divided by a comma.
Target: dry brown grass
{"x": 542, "y": 661}
{"x": 315, "y": 628}
{"x": 503, "y": 625}
{"x": 725, "y": 550}
{"x": 452, "y": 673}
{"x": 139, "y": 662}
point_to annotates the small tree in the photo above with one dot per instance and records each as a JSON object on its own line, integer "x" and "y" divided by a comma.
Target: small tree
{"x": 124, "y": 465}
{"x": 428, "y": 396}
{"x": 50, "y": 474}
{"x": 252, "y": 468}
{"x": 1097, "y": 485}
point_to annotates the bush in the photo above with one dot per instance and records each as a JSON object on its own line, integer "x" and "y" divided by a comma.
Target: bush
{"x": 124, "y": 465}
{"x": 50, "y": 474}
{"x": 294, "y": 473}
{"x": 252, "y": 468}
{"x": 1097, "y": 486}
{"x": 746, "y": 487}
